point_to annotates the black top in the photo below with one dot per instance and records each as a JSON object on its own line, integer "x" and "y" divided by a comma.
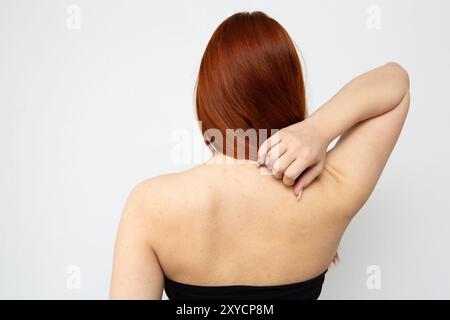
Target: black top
{"x": 306, "y": 290}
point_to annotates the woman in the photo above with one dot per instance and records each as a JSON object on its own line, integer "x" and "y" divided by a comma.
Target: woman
{"x": 226, "y": 229}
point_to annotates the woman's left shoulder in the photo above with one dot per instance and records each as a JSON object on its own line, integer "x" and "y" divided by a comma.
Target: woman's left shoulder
{"x": 169, "y": 193}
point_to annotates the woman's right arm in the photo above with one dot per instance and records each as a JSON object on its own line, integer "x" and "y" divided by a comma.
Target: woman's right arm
{"x": 368, "y": 113}
{"x": 368, "y": 95}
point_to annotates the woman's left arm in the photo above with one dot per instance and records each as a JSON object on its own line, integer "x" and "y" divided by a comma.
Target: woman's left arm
{"x": 136, "y": 271}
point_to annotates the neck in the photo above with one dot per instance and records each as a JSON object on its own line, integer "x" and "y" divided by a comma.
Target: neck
{"x": 220, "y": 158}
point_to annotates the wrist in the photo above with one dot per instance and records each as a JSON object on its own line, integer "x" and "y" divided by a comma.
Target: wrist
{"x": 321, "y": 127}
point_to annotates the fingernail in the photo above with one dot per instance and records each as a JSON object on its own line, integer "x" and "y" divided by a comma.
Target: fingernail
{"x": 299, "y": 195}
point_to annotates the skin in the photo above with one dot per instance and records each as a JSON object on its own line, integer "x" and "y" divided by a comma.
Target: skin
{"x": 233, "y": 224}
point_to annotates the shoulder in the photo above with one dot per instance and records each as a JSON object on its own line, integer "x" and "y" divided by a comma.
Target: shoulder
{"x": 170, "y": 194}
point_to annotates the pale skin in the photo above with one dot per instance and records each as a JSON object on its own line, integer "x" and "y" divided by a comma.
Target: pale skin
{"x": 224, "y": 224}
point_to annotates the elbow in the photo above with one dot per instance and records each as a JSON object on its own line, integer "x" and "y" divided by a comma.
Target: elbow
{"x": 400, "y": 75}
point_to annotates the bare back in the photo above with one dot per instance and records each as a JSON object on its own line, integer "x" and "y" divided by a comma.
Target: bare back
{"x": 233, "y": 224}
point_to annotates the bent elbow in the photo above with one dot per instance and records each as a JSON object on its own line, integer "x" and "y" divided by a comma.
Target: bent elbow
{"x": 400, "y": 73}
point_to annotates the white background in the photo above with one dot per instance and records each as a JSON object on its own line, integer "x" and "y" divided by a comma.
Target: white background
{"x": 87, "y": 113}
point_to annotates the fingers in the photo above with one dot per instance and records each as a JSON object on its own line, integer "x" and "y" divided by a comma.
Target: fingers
{"x": 294, "y": 171}
{"x": 307, "y": 177}
{"x": 281, "y": 164}
{"x": 266, "y": 146}
{"x": 274, "y": 154}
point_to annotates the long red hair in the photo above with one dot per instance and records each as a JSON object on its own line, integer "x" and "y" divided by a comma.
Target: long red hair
{"x": 250, "y": 77}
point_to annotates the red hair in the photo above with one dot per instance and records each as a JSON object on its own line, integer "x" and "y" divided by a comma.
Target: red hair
{"x": 250, "y": 77}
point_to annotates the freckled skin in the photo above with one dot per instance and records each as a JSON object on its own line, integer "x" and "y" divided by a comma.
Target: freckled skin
{"x": 234, "y": 219}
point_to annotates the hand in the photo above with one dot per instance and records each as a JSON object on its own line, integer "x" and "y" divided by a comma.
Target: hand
{"x": 295, "y": 152}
